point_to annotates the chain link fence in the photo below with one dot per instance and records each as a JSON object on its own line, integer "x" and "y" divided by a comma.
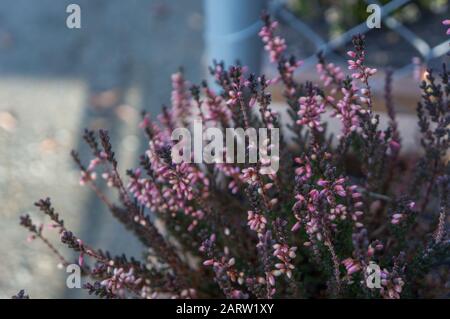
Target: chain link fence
{"x": 422, "y": 49}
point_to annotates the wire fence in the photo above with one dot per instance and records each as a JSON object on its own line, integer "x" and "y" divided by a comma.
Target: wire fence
{"x": 424, "y": 50}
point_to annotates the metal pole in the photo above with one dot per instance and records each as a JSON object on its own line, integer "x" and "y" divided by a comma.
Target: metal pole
{"x": 232, "y": 32}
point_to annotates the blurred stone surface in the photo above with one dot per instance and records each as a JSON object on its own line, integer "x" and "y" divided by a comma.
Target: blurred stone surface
{"x": 51, "y": 79}
{"x": 34, "y": 163}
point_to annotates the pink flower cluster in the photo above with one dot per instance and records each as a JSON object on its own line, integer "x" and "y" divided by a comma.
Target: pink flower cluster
{"x": 89, "y": 174}
{"x": 397, "y": 218}
{"x": 182, "y": 179}
{"x": 256, "y": 222}
{"x": 351, "y": 266}
{"x": 447, "y": 22}
{"x": 309, "y": 112}
{"x": 391, "y": 285}
{"x": 304, "y": 169}
{"x": 275, "y": 45}
{"x": 285, "y": 254}
{"x": 330, "y": 74}
{"x": 323, "y": 202}
{"x": 348, "y": 111}
{"x": 234, "y": 173}
{"x": 357, "y": 65}
{"x": 216, "y": 112}
{"x": 173, "y": 187}
{"x": 121, "y": 280}
{"x": 146, "y": 192}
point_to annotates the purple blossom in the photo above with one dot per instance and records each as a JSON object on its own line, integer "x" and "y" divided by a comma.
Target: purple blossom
{"x": 311, "y": 107}
{"x": 275, "y": 45}
{"x": 285, "y": 254}
{"x": 447, "y": 22}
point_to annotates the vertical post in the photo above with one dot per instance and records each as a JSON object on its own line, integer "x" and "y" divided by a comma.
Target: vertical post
{"x": 231, "y": 33}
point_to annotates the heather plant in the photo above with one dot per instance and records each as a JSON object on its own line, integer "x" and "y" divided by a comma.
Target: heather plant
{"x": 337, "y": 207}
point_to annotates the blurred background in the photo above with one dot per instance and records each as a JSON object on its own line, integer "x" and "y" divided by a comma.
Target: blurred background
{"x": 55, "y": 81}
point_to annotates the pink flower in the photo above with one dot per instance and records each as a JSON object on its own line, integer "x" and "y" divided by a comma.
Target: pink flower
{"x": 348, "y": 111}
{"x": 286, "y": 254}
{"x": 89, "y": 174}
{"x": 396, "y": 218}
{"x": 250, "y": 176}
{"x": 356, "y": 63}
{"x": 208, "y": 262}
{"x": 216, "y": 110}
{"x": 309, "y": 113}
{"x": 352, "y": 266}
{"x": 447, "y": 22}
{"x": 256, "y": 222}
{"x": 234, "y": 172}
{"x": 119, "y": 280}
{"x": 304, "y": 171}
{"x": 296, "y": 227}
{"x": 330, "y": 73}
{"x": 391, "y": 285}
{"x": 275, "y": 45}
{"x": 81, "y": 260}
{"x": 351, "y": 54}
